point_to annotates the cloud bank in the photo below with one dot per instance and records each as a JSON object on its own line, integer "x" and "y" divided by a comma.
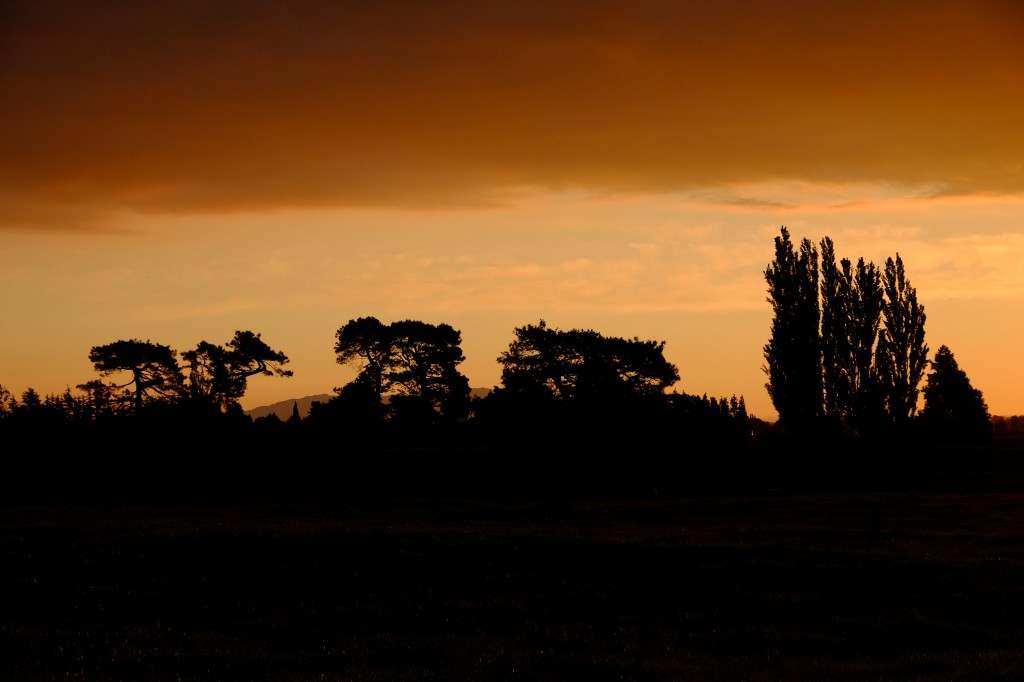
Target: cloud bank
{"x": 225, "y": 106}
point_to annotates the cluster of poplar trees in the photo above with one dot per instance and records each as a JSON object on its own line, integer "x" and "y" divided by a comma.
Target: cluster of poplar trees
{"x": 847, "y": 350}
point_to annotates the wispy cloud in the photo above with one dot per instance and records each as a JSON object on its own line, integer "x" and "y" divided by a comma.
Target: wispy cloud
{"x": 194, "y": 310}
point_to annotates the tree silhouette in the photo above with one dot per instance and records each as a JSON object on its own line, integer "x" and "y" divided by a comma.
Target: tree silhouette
{"x": 153, "y": 367}
{"x": 209, "y": 377}
{"x": 579, "y": 388}
{"x": 954, "y": 411}
{"x": 851, "y": 308}
{"x": 793, "y": 352}
{"x": 703, "y": 419}
{"x": 219, "y": 374}
{"x": 424, "y": 369}
{"x": 576, "y": 364}
{"x": 367, "y": 341}
{"x": 867, "y": 400}
{"x": 30, "y": 400}
{"x": 837, "y": 321}
{"x": 902, "y": 354}
{"x": 294, "y": 419}
{"x": 7, "y": 401}
{"x": 99, "y": 400}
{"x": 35, "y": 415}
{"x": 412, "y": 362}
{"x": 250, "y": 355}
{"x": 356, "y": 410}
{"x": 850, "y": 352}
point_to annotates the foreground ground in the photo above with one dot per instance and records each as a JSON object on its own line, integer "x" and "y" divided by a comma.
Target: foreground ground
{"x": 757, "y": 585}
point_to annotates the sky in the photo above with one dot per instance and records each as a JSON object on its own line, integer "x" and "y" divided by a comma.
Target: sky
{"x": 176, "y": 171}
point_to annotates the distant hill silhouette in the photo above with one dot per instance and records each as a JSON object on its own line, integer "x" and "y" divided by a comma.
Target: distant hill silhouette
{"x": 283, "y": 409}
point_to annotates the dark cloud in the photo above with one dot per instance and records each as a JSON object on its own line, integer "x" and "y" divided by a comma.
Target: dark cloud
{"x": 186, "y": 106}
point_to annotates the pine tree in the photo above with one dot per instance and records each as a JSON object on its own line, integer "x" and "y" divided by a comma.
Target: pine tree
{"x": 954, "y": 411}
{"x": 295, "y": 417}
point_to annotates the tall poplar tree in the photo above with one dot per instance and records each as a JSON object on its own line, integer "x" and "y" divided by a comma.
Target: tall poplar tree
{"x": 793, "y": 353}
{"x": 837, "y": 334}
{"x": 902, "y": 354}
{"x": 868, "y": 402}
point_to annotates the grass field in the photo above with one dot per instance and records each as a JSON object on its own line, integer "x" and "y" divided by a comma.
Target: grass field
{"x": 903, "y": 584}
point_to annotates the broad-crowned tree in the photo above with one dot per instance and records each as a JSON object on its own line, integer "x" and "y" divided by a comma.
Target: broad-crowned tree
{"x": 154, "y": 370}
{"x": 220, "y": 374}
{"x": 424, "y": 366}
{"x": 583, "y": 364}
{"x": 413, "y": 362}
{"x": 366, "y": 341}
{"x": 580, "y": 388}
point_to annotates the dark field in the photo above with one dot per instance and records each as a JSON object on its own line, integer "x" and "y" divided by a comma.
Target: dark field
{"x": 895, "y": 584}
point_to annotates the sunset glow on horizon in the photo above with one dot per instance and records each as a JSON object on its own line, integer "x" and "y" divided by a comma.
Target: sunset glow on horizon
{"x": 178, "y": 171}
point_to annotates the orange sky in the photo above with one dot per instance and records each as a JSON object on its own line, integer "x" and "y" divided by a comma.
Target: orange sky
{"x": 179, "y": 170}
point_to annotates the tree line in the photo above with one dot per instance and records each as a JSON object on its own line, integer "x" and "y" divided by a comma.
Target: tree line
{"x": 209, "y": 379}
{"x": 571, "y": 387}
{"x": 845, "y": 359}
